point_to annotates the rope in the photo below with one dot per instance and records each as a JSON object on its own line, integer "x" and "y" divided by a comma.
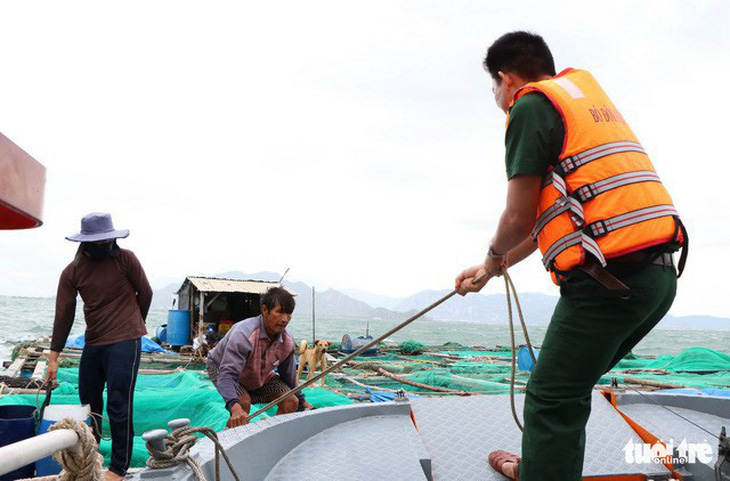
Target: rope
{"x": 674, "y": 412}
{"x": 508, "y": 284}
{"x": 347, "y": 358}
{"x": 177, "y": 451}
{"x": 83, "y": 463}
{"x": 95, "y": 417}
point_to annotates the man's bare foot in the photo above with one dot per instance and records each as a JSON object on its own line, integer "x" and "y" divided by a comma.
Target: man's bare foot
{"x": 111, "y": 476}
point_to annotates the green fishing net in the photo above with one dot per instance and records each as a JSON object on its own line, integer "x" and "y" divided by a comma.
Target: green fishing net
{"x": 161, "y": 398}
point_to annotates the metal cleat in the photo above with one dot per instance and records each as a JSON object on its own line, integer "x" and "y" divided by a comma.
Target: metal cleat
{"x": 156, "y": 438}
{"x": 178, "y": 423}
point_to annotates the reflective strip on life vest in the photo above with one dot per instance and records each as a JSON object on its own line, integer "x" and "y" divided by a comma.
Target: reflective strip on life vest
{"x": 561, "y": 205}
{"x": 572, "y": 89}
{"x": 603, "y": 227}
{"x": 587, "y": 192}
{"x": 574, "y": 238}
{"x": 571, "y": 163}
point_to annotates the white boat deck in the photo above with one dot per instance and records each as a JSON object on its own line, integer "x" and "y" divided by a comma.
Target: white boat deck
{"x": 451, "y": 442}
{"x": 459, "y": 433}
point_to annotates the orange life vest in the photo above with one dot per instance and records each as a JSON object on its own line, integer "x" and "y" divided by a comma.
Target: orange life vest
{"x": 602, "y": 196}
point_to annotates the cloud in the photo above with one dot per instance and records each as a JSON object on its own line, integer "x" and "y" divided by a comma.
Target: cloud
{"x": 357, "y": 144}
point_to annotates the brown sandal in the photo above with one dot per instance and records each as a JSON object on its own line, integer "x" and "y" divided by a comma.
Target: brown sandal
{"x": 498, "y": 458}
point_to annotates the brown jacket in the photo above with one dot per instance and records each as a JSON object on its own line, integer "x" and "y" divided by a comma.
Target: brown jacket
{"x": 116, "y": 296}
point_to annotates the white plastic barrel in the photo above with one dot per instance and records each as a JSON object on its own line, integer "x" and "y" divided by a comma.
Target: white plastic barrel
{"x": 54, "y": 413}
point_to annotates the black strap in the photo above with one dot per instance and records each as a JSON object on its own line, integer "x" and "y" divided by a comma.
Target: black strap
{"x": 605, "y": 278}
{"x": 685, "y": 248}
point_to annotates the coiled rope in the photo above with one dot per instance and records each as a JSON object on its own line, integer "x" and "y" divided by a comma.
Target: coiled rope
{"x": 83, "y": 463}
{"x": 177, "y": 451}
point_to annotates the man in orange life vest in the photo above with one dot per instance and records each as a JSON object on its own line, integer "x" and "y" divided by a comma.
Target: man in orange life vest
{"x": 581, "y": 189}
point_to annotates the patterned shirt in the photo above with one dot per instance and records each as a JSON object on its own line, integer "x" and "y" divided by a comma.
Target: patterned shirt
{"x": 247, "y": 356}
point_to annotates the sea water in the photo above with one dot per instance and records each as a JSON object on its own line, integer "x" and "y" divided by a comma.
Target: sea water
{"x": 23, "y": 319}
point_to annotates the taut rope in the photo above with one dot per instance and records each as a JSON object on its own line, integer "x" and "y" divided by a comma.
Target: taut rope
{"x": 341, "y": 362}
{"x": 353, "y": 355}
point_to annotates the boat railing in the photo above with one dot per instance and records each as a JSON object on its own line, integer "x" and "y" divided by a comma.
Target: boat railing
{"x": 21, "y": 453}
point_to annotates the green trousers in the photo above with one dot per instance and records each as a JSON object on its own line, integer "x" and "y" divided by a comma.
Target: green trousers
{"x": 588, "y": 334}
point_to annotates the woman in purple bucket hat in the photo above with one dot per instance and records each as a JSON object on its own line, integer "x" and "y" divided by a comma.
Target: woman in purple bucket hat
{"x": 117, "y": 297}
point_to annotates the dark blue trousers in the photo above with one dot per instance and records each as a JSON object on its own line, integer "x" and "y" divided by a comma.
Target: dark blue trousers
{"x": 115, "y": 365}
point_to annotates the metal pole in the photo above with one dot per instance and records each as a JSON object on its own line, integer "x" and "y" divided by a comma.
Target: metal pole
{"x": 201, "y": 331}
{"x": 314, "y": 336}
{"x": 22, "y": 453}
{"x": 282, "y": 276}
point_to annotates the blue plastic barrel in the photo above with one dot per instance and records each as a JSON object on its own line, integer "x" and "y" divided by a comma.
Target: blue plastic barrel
{"x": 524, "y": 360}
{"x": 54, "y": 413}
{"x": 161, "y": 333}
{"x": 350, "y": 345}
{"x": 16, "y": 424}
{"x": 178, "y": 327}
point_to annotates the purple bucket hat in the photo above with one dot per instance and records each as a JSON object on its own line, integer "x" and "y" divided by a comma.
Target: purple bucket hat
{"x": 98, "y": 227}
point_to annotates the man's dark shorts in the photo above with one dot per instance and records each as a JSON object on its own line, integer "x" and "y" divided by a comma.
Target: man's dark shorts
{"x": 273, "y": 388}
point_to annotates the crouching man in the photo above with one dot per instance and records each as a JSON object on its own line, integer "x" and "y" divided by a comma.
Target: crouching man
{"x": 242, "y": 364}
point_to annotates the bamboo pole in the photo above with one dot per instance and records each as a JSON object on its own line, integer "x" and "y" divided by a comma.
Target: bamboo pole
{"x": 661, "y": 385}
{"x": 419, "y": 385}
{"x": 357, "y": 383}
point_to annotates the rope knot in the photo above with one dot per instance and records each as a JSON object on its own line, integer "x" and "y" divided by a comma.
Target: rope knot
{"x": 83, "y": 463}
{"x": 177, "y": 451}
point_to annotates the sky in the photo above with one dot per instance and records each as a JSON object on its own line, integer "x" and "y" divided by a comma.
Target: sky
{"x": 356, "y": 143}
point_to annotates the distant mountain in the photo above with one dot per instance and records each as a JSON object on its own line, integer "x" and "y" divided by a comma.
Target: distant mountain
{"x": 162, "y": 297}
{"x": 373, "y": 300}
{"x": 260, "y": 276}
{"x": 491, "y": 309}
{"x": 333, "y": 303}
{"x": 488, "y": 309}
{"x": 329, "y": 303}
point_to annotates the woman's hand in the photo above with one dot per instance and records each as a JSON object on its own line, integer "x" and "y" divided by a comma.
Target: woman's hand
{"x": 52, "y": 368}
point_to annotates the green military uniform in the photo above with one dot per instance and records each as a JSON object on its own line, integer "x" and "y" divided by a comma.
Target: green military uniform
{"x": 589, "y": 331}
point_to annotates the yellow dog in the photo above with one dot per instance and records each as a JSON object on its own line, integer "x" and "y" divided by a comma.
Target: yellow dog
{"x": 314, "y": 358}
